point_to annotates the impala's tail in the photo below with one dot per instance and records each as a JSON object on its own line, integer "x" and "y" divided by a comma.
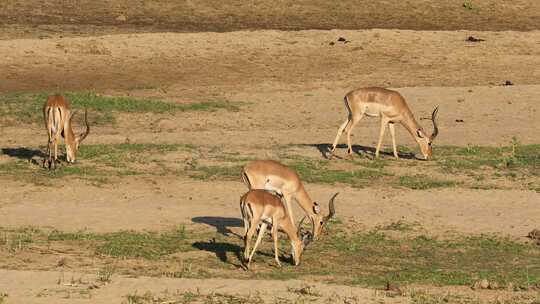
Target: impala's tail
{"x": 346, "y": 100}
{"x": 245, "y": 179}
{"x": 247, "y": 213}
{"x": 54, "y": 122}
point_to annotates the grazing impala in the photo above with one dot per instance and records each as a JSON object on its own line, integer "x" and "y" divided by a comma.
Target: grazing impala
{"x": 391, "y": 107}
{"x": 272, "y": 175}
{"x": 262, "y": 207}
{"x": 58, "y": 115}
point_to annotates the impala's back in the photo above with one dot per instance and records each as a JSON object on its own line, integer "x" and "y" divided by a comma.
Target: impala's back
{"x": 374, "y": 101}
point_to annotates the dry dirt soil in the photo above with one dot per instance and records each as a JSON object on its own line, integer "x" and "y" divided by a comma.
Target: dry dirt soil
{"x": 283, "y": 61}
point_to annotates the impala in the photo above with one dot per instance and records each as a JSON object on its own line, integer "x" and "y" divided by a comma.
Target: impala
{"x": 392, "y": 108}
{"x": 262, "y": 207}
{"x": 272, "y": 175}
{"x": 58, "y": 116}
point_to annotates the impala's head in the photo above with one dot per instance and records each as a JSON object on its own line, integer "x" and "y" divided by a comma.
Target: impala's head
{"x": 298, "y": 246}
{"x": 425, "y": 141}
{"x": 318, "y": 220}
{"x": 73, "y": 143}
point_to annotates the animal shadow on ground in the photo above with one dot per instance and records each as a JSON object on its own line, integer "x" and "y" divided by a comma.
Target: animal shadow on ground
{"x": 222, "y": 224}
{"x": 24, "y": 154}
{"x": 326, "y": 149}
{"x": 220, "y": 250}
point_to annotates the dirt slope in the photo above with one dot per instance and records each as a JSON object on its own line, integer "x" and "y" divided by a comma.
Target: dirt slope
{"x": 215, "y": 63}
{"x": 212, "y": 15}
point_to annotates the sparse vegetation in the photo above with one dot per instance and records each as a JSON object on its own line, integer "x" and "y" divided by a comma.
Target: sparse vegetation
{"x": 468, "y": 5}
{"x": 319, "y": 172}
{"x": 398, "y": 226}
{"x": 404, "y": 258}
{"x": 423, "y": 182}
{"x": 129, "y": 244}
{"x": 27, "y": 108}
{"x": 466, "y": 167}
{"x": 190, "y": 297}
{"x": 105, "y": 274}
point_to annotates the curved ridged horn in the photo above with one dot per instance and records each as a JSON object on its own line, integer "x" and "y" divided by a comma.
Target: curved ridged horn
{"x": 331, "y": 209}
{"x": 435, "y": 129}
{"x": 299, "y": 232}
{"x": 83, "y": 135}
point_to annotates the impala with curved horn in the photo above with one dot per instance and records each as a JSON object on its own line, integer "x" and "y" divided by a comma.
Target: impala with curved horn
{"x": 272, "y": 175}
{"x": 58, "y": 121}
{"x": 392, "y": 108}
{"x": 262, "y": 207}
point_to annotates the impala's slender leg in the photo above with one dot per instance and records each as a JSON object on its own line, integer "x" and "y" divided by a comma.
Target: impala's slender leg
{"x": 48, "y": 159}
{"x": 248, "y": 236}
{"x": 48, "y": 124}
{"x": 339, "y": 133}
{"x": 56, "y": 141}
{"x": 259, "y": 239}
{"x": 384, "y": 122}
{"x": 275, "y": 226}
{"x": 393, "y": 133}
{"x": 349, "y": 128}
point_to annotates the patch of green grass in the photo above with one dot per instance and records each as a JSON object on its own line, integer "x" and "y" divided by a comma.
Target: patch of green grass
{"x": 423, "y": 259}
{"x": 314, "y": 171}
{"x": 33, "y": 172}
{"x": 122, "y": 244}
{"x": 96, "y": 163}
{"x": 191, "y": 297}
{"x": 134, "y": 298}
{"x": 378, "y": 257}
{"x": 470, "y": 167}
{"x": 514, "y": 156}
{"x": 118, "y": 155}
{"x": 27, "y": 107}
{"x": 423, "y": 182}
{"x": 14, "y": 241}
{"x": 131, "y": 244}
{"x": 515, "y": 162}
{"x": 409, "y": 259}
{"x": 468, "y": 5}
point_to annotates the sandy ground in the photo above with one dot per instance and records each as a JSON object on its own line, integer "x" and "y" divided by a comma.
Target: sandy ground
{"x": 136, "y": 204}
{"x": 292, "y": 84}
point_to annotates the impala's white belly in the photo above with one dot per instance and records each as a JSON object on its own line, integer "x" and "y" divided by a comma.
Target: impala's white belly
{"x": 274, "y": 183}
{"x": 372, "y": 110}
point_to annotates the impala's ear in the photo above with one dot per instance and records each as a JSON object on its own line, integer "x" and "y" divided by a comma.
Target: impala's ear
{"x": 316, "y": 208}
{"x": 420, "y": 133}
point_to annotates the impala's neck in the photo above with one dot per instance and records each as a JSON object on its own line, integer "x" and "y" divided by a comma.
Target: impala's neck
{"x": 69, "y": 136}
{"x": 305, "y": 201}
{"x": 297, "y": 247}
{"x": 410, "y": 123}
